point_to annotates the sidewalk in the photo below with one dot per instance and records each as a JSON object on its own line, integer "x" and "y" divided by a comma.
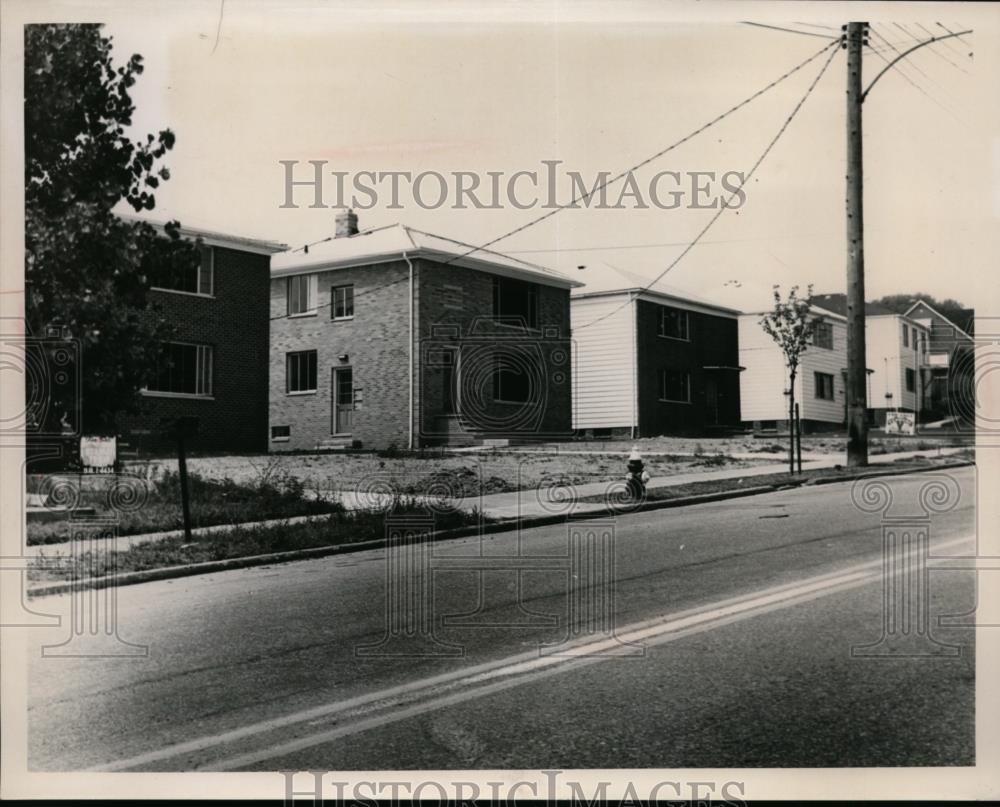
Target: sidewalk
{"x": 530, "y": 502}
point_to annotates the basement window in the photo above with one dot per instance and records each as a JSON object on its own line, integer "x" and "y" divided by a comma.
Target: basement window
{"x": 281, "y": 434}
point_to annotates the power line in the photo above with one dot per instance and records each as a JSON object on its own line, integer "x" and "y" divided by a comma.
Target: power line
{"x": 788, "y": 30}
{"x": 931, "y": 42}
{"x": 814, "y": 25}
{"x": 603, "y": 185}
{"x": 725, "y": 205}
{"x": 957, "y": 36}
{"x": 920, "y": 89}
{"x": 947, "y": 44}
{"x": 896, "y": 50}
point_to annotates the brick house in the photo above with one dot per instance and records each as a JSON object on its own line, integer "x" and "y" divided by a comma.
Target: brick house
{"x": 215, "y": 368}
{"x": 397, "y": 337}
{"x": 653, "y": 362}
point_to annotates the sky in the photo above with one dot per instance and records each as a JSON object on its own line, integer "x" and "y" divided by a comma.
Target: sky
{"x": 439, "y": 88}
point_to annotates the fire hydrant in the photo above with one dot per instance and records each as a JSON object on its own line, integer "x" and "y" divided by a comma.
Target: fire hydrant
{"x": 637, "y": 476}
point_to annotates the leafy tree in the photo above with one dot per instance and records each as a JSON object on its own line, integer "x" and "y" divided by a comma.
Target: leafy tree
{"x": 87, "y": 269}
{"x": 791, "y": 326}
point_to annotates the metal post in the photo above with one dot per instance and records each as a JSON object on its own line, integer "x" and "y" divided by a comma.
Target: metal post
{"x": 798, "y": 438}
{"x": 857, "y": 404}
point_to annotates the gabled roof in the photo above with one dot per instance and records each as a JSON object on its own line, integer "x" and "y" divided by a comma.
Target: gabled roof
{"x": 813, "y": 309}
{"x": 215, "y": 239}
{"x": 967, "y": 313}
{"x": 837, "y": 304}
{"x": 391, "y": 242}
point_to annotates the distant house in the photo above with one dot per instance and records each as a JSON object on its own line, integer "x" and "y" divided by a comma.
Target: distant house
{"x": 897, "y": 349}
{"x": 215, "y": 368}
{"x": 949, "y": 355}
{"x": 820, "y": 381}
{"x": 896, "y": 358}
{"x": 653, "y": 362}
{"x": 397, "y": 337}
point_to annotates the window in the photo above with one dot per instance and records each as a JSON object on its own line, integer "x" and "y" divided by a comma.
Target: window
{"x": 342, "y": 302}
{"x": 196, "y": 278}
{"x": 911, "y": 379}
{"x": 515, "y": 302}
{"x": 301, "y": 294}
{"x": 184, "y": 369}
{"x": 675, "y": 385}
{"x": 913, "y": 335}
{"x": 511, "y": 384}
{"x": 823, "y": 386}
{"x": 674, "y": 323}
{"x": 281, "y": 433}
{"x": 300, "y": 371}
{"x": 823, "y": 335}
{"x": 906, "y": 335}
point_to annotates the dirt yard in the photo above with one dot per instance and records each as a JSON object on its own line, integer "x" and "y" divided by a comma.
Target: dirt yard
{"x": 451, "y": 475}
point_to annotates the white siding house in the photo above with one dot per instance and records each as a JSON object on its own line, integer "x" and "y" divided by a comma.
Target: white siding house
{"x": 604, "y": 366}
{"x": 896, "y": 358}
{"x": 819, "y": 384}
{"x": 897, "y": 354}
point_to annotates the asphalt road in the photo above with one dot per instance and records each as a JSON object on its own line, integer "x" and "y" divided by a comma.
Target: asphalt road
{"x": 733, "y": 628}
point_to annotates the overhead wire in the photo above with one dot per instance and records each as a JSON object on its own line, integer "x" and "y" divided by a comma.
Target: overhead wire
{"x": 725, "y": 205}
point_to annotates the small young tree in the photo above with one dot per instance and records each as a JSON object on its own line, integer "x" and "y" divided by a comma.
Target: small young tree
{"x": 790, "y": 325}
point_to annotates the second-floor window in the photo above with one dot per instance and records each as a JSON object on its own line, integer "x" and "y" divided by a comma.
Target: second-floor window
{"x": 196, "y": 278}
{"x": 342, "y": 302}
{"x": 183, "y": 369}
{"x": 515, "y": 302}
{"x": 823, "y": 386}
{"x": 300, "y": 371}
{"x": 823, "y": 335}
{"x": 301, "y": 294}
{"x": 674, "y": 323}
{"x": 906, "y": 335}
{"x": 675, "y": 385}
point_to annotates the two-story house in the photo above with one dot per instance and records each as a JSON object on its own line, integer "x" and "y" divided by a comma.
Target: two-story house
{"x": 215, "y": 367}
{"x": 819, "y": 383}
{"x": 895, "y": 348}
{"x": 653, "y": 362}
{"x": 397, "y": 337}
{"x": 896, "y": 351}
{"x": 950, "y": 359}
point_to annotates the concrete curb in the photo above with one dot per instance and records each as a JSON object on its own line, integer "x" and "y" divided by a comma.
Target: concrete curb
{"x": 505, "y": 525}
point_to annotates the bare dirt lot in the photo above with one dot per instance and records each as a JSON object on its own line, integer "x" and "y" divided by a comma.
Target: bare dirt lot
{"x": 442, "y": 474}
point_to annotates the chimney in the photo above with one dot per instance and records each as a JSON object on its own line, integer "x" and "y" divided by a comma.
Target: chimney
{"x": 347, "y": 224}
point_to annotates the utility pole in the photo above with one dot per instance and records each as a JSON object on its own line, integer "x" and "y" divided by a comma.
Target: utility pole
{"x": 857, "y": 403}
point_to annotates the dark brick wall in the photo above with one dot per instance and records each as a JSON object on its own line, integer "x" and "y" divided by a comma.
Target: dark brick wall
{"x": 456, "y": 306}
{"x": 235, "y": 323}
{"x": 713, "y": 342}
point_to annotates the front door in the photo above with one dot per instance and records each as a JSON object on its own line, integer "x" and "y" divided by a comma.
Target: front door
{"x": 343, "y": 400}
{"x": 711, "y": 400}
{"x": 449, "y": 381}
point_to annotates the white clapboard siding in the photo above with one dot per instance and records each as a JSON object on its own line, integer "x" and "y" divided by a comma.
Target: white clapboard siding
{"x": 822, "y": 360}
{"x": 604, "y": 390}
{"x": 890, "y": 358}
{"x": 765, "y": 379}
{"x": 762, "y": 383}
